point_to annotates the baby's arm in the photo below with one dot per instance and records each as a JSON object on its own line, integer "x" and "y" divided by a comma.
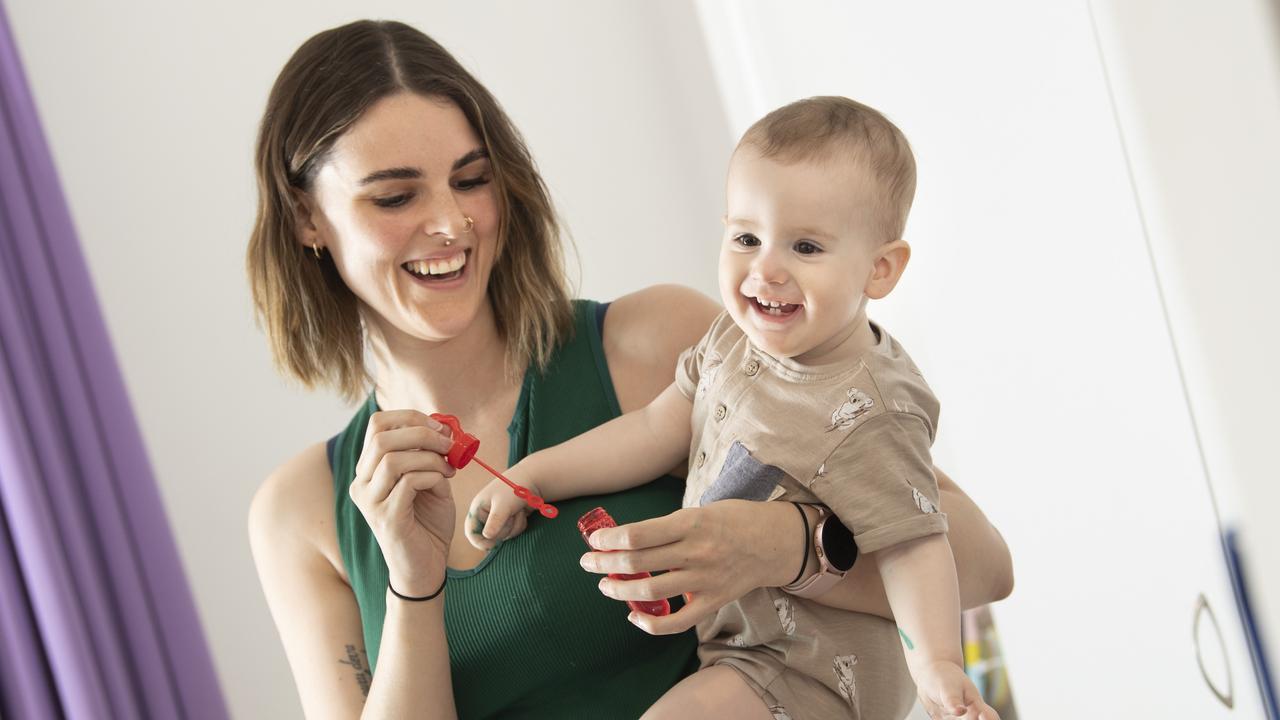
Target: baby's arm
{"x": 920, "y": 581}
{"x": 629, "y": 450}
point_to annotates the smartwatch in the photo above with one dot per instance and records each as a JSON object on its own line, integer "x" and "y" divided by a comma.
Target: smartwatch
{"x": 836, "y": 555}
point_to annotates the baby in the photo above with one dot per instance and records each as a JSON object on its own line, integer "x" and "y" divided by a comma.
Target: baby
{"x": 794, "y": 395}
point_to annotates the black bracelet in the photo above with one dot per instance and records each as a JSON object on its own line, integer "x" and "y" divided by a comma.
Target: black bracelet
{"x": 432, "y": 596}
{"x": 804, "y": 561}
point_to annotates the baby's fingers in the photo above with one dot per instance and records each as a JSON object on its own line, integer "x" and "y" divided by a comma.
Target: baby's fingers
{"x": 982, "y": 711}
{"x": 499, "y": 523}
{"x": 482, "y": 508}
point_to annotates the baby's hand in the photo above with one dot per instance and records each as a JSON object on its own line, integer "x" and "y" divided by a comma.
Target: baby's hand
{"x": 946, "y": 692}
{"x": 497, "y": 514}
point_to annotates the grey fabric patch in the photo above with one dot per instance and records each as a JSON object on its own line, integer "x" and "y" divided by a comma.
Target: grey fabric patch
{"x": 743, "y": 478}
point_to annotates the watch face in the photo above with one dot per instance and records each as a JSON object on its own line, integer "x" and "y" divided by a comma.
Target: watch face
{"x": 838, "y": 545}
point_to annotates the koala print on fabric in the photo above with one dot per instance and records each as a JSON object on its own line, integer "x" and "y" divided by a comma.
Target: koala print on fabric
{"x": 856, "y": 405}
{"x": 786, "y": 615}
{"x": 708, "y": 375}
{"x": 843, "y": 668}
{"x": 925, "y": 504}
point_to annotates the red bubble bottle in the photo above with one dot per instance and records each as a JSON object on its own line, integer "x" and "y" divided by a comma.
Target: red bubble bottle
{"x": 597, "y": 519}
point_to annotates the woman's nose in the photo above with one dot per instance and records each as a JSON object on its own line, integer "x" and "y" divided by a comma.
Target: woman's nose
{"x": 445, "y": 219}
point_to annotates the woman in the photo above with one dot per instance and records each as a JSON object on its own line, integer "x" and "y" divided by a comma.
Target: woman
{"x": 399, "y": 209}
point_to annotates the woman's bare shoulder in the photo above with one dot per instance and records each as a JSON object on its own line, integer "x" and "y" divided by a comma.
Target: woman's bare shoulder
{"x": 644, "y": 334}
{"x": 293, "y": 509}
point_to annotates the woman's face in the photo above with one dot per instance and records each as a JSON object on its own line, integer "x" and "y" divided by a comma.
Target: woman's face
{"x": 392, "y": 204}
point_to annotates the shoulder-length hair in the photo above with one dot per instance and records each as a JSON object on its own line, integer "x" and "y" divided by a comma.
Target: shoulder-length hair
{"x": 309, "y": 314}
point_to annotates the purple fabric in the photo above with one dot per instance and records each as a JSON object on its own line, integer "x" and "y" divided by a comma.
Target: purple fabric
{"x": 86, "y": 550}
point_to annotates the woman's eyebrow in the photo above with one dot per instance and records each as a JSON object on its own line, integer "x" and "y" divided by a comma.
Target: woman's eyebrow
{"x": 412, "y": 173}
{"x": 470, "y": 157}
{"x": 400, "y": 173}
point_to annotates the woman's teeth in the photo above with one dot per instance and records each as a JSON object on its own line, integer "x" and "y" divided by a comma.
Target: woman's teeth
{"x": 441, "y": 266}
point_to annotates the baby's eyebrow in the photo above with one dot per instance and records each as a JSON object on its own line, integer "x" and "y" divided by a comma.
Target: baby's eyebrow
{"x": 815, "y": 234}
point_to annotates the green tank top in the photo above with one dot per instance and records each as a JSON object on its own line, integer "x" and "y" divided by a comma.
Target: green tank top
{"x": 529, "y": 633}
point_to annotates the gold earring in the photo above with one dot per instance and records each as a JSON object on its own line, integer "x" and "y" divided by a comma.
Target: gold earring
{"x": 315, "y": 249}
{"x": 470, "y": 223}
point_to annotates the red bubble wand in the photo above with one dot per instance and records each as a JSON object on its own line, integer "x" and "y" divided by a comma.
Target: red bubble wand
{"x": 463, "y": 450}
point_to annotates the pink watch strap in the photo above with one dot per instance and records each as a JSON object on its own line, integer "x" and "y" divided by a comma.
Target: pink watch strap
{"x": 826, "y": 576}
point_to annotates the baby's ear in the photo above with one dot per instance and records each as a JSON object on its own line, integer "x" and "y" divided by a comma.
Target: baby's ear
{"x": 890, "y": 261}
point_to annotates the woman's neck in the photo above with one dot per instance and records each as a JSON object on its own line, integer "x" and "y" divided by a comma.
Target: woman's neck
{"x": 464, "y": 375}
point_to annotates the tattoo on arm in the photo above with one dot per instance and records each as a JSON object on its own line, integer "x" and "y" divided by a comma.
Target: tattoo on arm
{"x": 359, "y": 661}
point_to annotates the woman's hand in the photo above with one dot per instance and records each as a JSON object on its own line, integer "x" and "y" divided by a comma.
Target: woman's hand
{"x": 713, "y": 554}
{"x": 401, "y": 487}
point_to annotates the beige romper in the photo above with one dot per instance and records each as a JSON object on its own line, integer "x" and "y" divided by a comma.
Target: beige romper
{"x": 852, "y": 436}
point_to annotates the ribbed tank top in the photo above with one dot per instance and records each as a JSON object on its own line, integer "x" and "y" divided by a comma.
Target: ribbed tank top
{"x": 530, "y": 635}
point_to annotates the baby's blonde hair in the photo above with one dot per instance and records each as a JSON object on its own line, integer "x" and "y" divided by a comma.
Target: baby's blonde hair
{"x": 832, "y": 128}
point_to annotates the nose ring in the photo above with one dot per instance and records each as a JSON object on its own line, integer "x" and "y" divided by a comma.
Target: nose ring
{"x": 469, "y": 223}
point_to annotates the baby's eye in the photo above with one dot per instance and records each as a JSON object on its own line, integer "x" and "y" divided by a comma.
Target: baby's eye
{"x": 393, "y": 201}
{"x": 747, "y": 240}
{"x": 804, "y": 247}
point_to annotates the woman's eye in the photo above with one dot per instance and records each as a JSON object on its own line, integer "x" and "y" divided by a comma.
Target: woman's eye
{"x": 393, "y": 201}
{"x": 804, "y": 247}
{"x": 472, "y": 183}
{"x": 747, "y": 240}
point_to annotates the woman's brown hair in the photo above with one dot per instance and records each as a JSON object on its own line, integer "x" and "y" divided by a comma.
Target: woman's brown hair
{"x": 309, "y": 314}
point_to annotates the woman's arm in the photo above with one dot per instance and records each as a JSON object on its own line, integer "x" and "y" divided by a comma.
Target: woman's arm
{"x": 983, "y": 565}
{"x": 291, "y": 531}
{"x": 728, "y": 548}
{"x": 736, "y": 546}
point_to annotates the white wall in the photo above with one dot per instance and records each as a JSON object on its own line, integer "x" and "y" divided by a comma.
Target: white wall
{"x": 151, "y": 108}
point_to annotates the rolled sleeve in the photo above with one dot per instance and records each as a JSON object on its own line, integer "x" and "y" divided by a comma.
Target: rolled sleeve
{"x": 880, "y": 482}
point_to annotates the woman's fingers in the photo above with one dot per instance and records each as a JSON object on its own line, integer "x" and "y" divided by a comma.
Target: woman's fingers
{"x": 679, "y": 621}
{"x": 667, "y": 557}
{"x": 394, "y": 465}
{"x": 415, "y": 437}
{"x": 646, "y": 533}
{"x": 655, "y": 587}
{"x": 400, "y": 500}
{"x": 385, "y": 420}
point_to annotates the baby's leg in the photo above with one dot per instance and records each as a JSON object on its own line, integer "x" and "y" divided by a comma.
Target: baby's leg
{"x": 709, "y": 694}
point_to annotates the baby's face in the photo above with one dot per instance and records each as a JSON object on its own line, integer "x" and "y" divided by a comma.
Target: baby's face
{"x": 797, "y": 253}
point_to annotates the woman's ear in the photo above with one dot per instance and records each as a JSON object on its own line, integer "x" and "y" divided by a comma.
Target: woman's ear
{"x": 890, "y": 261}
{"x": 304, "y": 222}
